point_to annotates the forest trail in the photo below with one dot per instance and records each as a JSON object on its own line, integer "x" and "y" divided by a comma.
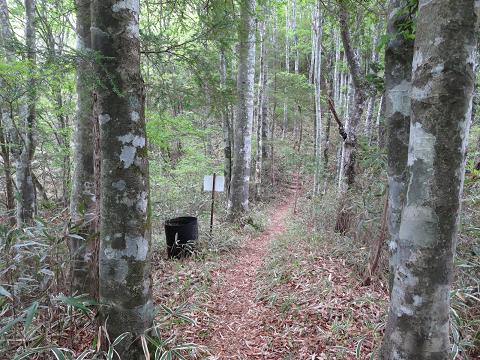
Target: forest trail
{"x": 234, "y": 312}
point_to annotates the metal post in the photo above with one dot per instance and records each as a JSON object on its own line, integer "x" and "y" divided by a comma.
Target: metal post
{"x": 213, "y": 203}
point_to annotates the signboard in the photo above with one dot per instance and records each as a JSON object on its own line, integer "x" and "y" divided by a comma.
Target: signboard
{"x": 219, "y": 183}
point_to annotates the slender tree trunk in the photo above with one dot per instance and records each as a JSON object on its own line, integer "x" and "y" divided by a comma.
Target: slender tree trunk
{"x": 227, "y": 126}
{"x": 262, "y": 110}
{"x": 318, "y": 111}
{"x": 6, "y": 127}
{"x": 371, "y": 99}
{"x": 83, "y": 200}
{"x": 26, "y": 199}
{"x": 125, "y": 232}
{"x": 239, "y": 191}
{"x": 336, "y": 77}
{"x": 314, "y": 41}
{"x": 287, "y": 66}
{"x": 274, "y": 104}
{"x": 441, "y": 99}
{"x": 7, "y": 166}
{"x": 350, "y": 144}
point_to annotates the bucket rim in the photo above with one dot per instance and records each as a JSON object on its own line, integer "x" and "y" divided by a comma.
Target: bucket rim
{"x": 181, "y": 220}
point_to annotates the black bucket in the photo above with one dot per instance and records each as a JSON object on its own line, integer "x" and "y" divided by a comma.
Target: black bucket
{"x": 181, "y": 234}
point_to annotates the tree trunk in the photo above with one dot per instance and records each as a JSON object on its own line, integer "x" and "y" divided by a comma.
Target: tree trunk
{"x": 262, "y": 110}
{"x": 350, "y": 144}
{"x": 125, "y": 231}
{"x": 227, "y": 126}
{"x": 83, "y": 201}
{"x": 239, "y": 191}
{"x": 7, "y": 169}
{"x": 336, "y": 71}
{"x": 381, "y": 123}
{"x": 441, "y": 100}
{"x": 287, "y": 66}
{"x": 5, "y": 116}
{"x": 371, "y": 100}
{"x": 398, "y": 77}
{"x": 26, "y": 199}
{"x": 313, "y": 41}
{"x": 317, "y": 81}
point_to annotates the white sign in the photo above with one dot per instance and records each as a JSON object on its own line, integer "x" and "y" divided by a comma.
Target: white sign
{"x": 219, "y": 183}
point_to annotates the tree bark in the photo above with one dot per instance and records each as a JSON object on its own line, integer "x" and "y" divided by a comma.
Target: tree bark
{"x": 398, "y": 77}
{"x": 287, "y": 66}
{"x": 5, "y": 116}
{"x": 239, "y": 191}
{"x": 358, "y": 81}
{"x": 441, "y": 99}
{"x": 317, "y": 81}
{"x": 125, "y": 230}
{"x": 262, "y": 111}
{"x": 83, "y": 200}
{"x": 26, "y": 199}
{"x": 227, "y": 126}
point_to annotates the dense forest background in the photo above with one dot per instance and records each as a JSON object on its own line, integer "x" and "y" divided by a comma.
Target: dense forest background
{"x": 318, "y": 95}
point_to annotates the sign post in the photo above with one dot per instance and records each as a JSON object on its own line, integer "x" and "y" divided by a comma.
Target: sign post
{"x": 214, "y": 184}
{"x": 213, "y": 204}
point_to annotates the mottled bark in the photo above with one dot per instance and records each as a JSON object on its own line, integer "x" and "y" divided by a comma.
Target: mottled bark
{"x": 26, "y": 198}
{"x": 350, "y": 144}
{"x": 83, "y": 200}
{"x": 398, "y": 76}
{"x": 441, "y": 101}
{"x": 239, "y": 190}
{"x": 125, "y": 233}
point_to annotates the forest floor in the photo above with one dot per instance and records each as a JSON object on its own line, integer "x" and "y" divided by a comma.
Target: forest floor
{"x": 280, "y": 295}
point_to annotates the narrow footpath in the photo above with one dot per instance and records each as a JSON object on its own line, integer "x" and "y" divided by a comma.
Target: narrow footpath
{"x": 233, "y": 314}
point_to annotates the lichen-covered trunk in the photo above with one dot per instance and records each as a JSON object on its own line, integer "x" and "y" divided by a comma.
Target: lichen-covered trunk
{"x": 262, "y": 111}
{"x": 83, "y": 201}
{"x": 26, "y": 198}
{"x": 125, "y": 234}
{"x": 398, "y": 77}
{"x": 226, "y": 126}
{"x": 441, "y": 102}
{"x": 239, "y": 189}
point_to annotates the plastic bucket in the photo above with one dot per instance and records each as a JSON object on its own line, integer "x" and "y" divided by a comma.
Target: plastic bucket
{"x": 181, "y": 234}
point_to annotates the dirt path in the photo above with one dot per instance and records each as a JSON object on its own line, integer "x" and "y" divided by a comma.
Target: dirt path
{"x": 234, "y": 313}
